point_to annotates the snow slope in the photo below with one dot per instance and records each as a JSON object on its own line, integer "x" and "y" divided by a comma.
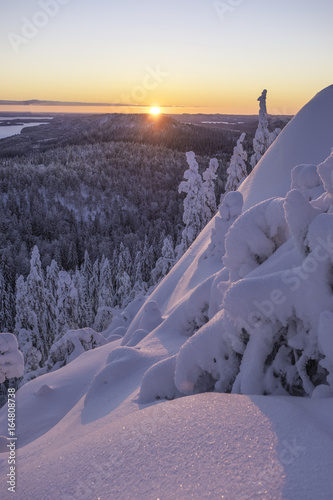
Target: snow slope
{"x": 94, "y": 429}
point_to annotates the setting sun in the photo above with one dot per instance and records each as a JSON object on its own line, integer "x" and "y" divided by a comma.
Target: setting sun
{"x": 155, "y": 110}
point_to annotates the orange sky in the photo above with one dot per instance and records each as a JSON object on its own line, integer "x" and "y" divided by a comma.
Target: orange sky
{"x": 190, "y": 55}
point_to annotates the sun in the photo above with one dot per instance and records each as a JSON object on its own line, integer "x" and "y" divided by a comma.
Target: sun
{"x": 155, "y": 110}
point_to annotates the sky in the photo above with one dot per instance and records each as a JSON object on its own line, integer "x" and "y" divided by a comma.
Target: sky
{"x": 197, "y": 56}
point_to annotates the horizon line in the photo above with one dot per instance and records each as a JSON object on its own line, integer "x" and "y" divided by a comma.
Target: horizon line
{"x": 39, "y": 102}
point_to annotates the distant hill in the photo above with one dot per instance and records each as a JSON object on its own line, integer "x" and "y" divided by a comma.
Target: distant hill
{"x": 236, "y": 123}
{"x": 212, "y": 135}
{"x": 162, "y": 131}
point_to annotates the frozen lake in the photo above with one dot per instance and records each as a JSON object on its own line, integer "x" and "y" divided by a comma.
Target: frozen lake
{"x": 9, "y": 130}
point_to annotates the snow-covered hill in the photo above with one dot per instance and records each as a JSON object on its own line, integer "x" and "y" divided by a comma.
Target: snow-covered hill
{"x": 257, "y": 322}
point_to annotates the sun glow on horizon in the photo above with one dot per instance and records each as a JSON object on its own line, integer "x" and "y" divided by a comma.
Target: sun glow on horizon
{"x": 155, "y": 110}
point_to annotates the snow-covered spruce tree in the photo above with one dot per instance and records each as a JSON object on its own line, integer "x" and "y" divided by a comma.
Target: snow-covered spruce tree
{"x": 165, "y": 262}
{"x": 123, "y": 284}
{"x": 148, "y": 259}
{"x": 85, "y": 300}
{"x": 273, "y": 135}
{"x": 272, "y": 333}
{"x": 106, "y": 297}
{"x": 68, "y": 317}
{"x": 237, "y": 168}
{"x": 21, "y": 317}
{"x": 140, "y": 286}
{"x": 126, "y": 257}
{"x": 36, "y": 300}
{"x": 23, "y": 331}
{"x": 11, "y": 365}
{"x": 209, "y": 177}
{"x": 194, "y": 204}
{"x": 106, "y": 292}
{"x": 94, "y": 287}
{"x": 72, "y": 258}
{"x": 7, "y": 296}
{"x": 254, "y": 237}
{"x": 11, "y": 359}
{"x": 51, "y": 285}
{"x": 5, "y": 304}
{"x": 72, "y": 345}
{"x": 124, "y": 288}
{"x": 263, "y": 137}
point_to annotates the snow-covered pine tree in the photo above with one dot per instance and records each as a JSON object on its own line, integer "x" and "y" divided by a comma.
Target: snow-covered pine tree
{"x": 85, "y": 299}
{"x": 23, "y": 332}
{"x": 165, "y": 262}
{"x": 32, "y": 356}
{"x": 68, "y": 317}
{"x": 11, "y": 359}
{"x": 106, "y": 292}
{"x": 106, "y": 297}
{"x": 124, "y": 289}
{"x": 7, "y": 296}
{"x": 51, "y": 285}
{"x": 114, "y": 265}
{"x": 147, "y": 260}
{"x": 21, "y": 318}
{"x": 194, "y": 204}
{"x": 11, "y": 365}
{"x": 209, "y": 177}
{"x": 72, "y": 258}
{"x": 6, "y": 300}
{"x": 140, "y": 286}
{"x": 93, "y": 289}
{"x": 36, "y": 299}
{"x": 118, "y": 279}
{"x": 273, "y": 135}
{"x": 237, "y": 168}
{"x": 72, "y": 345}
{"x": 263, "y": 137}
{"x": 3, "y": 301}
{"x": 127, "y": 259}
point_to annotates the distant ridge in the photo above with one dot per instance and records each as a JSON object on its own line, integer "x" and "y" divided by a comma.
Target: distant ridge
{"x": 37, "y": 102}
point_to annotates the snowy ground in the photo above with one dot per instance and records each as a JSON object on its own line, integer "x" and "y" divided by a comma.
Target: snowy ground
{"x": 203, "y": 446}
{"x": 102, "y": 427}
